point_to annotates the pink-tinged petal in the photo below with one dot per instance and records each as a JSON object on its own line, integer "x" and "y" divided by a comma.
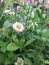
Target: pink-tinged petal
{"x": 33, "y": 1}
{"x": 27, "y": 1}
{"x": 18, "y": 27}
{"x": 47, "y": 4}
{"x": 19, "y": 8}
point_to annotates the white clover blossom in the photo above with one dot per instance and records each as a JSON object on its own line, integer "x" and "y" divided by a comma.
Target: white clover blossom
{"x": 20, "y": 61}
{"x": 6, "y": 11}
{"x": 9, "y": 12}
{"x": 18, "y": 27}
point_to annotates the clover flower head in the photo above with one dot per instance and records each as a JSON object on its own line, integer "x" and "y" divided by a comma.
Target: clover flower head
{"x": 47, "y": 4}
{"x": 20, "y": 61}
{"x": 18, "y": 27}
{"x": 19, "y": 8}
{"x": 9, "y": 12}
{"x": 27, "y": 1}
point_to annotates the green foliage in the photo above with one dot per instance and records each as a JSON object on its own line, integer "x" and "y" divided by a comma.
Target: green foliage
{"x": 32, "y": 44}
{"x": 7, "y": 4}
{"x": 12, "y": 47}
{"x": 27, "y": 61}
{"x": 29, "y": 42}
{"x": 7, "y": 24}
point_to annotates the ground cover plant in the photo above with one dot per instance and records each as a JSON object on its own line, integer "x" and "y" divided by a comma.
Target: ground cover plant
{"x": 24, "y": 34}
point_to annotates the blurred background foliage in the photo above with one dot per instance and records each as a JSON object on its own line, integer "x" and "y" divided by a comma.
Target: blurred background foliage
{"x": 36, "y": 50}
